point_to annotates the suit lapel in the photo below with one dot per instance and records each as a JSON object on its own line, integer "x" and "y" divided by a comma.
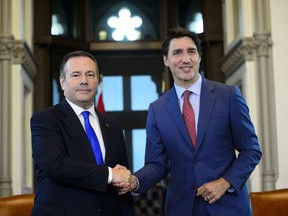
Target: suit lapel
{"x": 75, "y": 129}
{"x": 104, "y": 125}
{"x": 207, "y": 101}
{"x": 172, "y": 106}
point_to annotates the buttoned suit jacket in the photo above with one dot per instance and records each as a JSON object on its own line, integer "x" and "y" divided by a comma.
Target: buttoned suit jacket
{"x": 224, "y": 126}
{"x": 69, "y": 181}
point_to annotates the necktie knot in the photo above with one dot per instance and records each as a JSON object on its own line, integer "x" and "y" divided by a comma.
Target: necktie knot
{"x": 187, "y": 94}
{"x": 85, "y": 114}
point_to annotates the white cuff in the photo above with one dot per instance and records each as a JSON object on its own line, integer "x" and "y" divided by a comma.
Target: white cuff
{"x": 110, "y": 175}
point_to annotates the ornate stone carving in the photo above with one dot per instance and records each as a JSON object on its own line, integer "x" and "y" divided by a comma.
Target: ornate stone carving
{"x": 262, "y": 43}
{"x": 245, "y": 50}
{"x": 242, "y": 51}
{"x": 5, "y": 47}
{"x": 22, "y": 55}
{"x": 18, "y": 52}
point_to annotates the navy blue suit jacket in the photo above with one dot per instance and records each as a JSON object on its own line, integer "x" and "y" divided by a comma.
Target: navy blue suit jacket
{"x": 224, "y": 126}
{"x": 69, "y": 181}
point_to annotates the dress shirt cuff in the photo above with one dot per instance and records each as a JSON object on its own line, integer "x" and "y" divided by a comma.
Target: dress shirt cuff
{"x": 231, "y": 190}
{"x": 110, "y": 175}
{"x": 136, "y": 192}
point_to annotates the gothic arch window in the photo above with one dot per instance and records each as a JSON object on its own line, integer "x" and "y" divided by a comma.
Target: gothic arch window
{"x": 196, "y": 24}
{"x": 57, "y": 27}
{"x": 63, "y": 18}
{"x": 58, "y": 19}
{"x": 191, "y": 17}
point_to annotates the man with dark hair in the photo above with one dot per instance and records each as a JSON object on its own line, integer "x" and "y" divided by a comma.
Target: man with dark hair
{"x": 200, "y": 133}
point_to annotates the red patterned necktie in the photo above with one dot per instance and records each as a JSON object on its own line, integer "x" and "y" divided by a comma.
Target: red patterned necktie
{"x": 189, "y": 117}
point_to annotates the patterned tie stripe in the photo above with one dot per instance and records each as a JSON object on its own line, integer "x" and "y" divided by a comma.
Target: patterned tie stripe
{"x": 189, "y": 117}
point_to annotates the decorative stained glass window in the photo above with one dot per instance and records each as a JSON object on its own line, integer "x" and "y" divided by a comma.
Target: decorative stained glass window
{"x": 126, "y": 21}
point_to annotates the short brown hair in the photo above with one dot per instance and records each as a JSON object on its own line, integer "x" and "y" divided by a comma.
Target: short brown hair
{"x": 180, "y": 32}
{"x": 72, "y": 54}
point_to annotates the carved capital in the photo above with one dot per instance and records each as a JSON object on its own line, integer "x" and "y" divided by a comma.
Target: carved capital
{"x": 5, "y": 47}
{"x": 22, "y": 55}
{"x": 262, "y": 43}
{"x": 18, "y": 52}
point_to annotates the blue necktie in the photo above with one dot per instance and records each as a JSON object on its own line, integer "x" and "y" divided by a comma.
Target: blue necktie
{"x": 92, "y": 138}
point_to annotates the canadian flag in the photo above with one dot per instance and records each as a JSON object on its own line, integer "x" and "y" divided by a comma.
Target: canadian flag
{"x": 100, "y": 104}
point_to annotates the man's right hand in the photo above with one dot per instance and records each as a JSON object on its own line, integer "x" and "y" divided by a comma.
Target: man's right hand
{"x": 125, "y": 187}
{"x": 120, "y": 174}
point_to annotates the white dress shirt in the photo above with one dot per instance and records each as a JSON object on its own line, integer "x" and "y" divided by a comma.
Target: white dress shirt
{"x": 94, "y": 121}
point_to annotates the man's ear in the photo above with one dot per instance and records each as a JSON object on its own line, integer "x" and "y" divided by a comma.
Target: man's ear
{"x": 165, "y": 60}
{"x": 61, "y": 81}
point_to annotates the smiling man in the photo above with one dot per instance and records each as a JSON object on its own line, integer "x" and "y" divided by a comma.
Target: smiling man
{"x": 193, "y": 133}
{"x": 75, "y": 171}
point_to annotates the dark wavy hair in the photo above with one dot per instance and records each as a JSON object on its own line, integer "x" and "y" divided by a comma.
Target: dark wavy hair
{"x": 180, "y": 32}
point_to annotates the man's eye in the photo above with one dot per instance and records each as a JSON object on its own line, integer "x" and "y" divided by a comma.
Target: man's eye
{"x": 91, "y": 75}
{"x": 75, "y": 75}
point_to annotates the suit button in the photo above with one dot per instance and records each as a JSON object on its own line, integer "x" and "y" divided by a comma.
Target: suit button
{"x": 193, "y": 187}
{"x": 99, "y": 212}
{"x": 195, "y": 162}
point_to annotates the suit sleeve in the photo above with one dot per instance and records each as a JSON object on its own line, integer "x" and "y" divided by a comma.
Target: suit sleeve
{"x": 245, "y": 142}
{"x": 156, "y": 158}
{"x": 52, "y": 147}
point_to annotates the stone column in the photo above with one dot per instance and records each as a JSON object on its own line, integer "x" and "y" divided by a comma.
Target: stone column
{"x": 6, "y": 40}
{"x": 263, "y": 44}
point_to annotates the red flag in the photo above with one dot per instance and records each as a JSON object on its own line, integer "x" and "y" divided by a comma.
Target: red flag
{"x": 100, "y": 105}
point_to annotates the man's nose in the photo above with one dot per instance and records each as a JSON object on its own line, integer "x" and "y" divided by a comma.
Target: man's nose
{"x": 186, "y": 57}
{"x": 83, "y": 79}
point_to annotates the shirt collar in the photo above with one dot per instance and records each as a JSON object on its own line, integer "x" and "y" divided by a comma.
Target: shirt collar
{"x": 78, "y": 110}
{"x": 195, "y": 88}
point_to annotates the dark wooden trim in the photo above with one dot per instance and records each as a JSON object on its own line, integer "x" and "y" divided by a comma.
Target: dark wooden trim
{"x": 118, "y": 46}
{"x": 212, "y": 40}
{"x": 59, "y": 41}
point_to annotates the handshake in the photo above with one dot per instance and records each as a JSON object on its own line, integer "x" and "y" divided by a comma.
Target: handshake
{"x": 123, "y": 180}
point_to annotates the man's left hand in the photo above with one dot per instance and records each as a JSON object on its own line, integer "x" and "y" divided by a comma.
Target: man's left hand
{"x": 212, "y": 191}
